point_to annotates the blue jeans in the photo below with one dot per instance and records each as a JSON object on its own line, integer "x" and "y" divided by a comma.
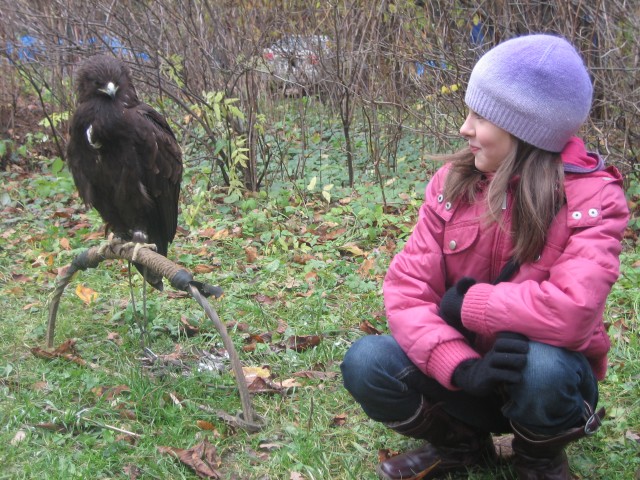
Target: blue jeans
{"x": 549, "y": 400}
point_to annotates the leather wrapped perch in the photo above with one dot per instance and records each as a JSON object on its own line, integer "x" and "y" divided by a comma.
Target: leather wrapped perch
{"x": 180, "y": 279}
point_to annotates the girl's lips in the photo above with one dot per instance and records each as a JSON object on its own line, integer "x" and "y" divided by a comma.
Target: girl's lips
{"x": 473, "y": 149}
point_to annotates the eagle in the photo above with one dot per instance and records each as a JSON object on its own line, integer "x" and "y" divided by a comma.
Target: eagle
{"x": 124, "y": 158}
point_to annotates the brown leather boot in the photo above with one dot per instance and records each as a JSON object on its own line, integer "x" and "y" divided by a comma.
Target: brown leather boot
{"x": 453, "y": 446}
{"x": 541, "y": 457}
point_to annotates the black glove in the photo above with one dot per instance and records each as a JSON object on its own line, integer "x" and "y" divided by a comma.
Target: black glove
{"x": 502, "y": 364}
{"x": 451, "y": 304}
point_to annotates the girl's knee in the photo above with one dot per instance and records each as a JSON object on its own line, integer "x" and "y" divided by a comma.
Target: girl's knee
{"x": 368, "y": 361}
{"x": 555, "y": 385}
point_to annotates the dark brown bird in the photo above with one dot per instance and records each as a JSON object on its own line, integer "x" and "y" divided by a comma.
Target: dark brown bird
{"x": 124, "y": 158}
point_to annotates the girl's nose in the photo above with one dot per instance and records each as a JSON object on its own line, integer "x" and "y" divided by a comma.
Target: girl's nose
{"x": 466, "y": 130}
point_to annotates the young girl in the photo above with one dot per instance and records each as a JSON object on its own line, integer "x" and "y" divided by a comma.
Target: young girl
{"x": 496, "y": 303}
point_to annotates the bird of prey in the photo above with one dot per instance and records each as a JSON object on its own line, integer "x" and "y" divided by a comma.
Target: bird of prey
{"x": 124, "y": 158}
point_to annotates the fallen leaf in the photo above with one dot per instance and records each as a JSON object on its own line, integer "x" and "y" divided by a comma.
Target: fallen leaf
{"x": 133, "y": 471}
{"x": 54, "y": 427}
{"x": 204, "y": 425}
{"x": 220, "y": 234}
{"x": 302, "y": 259}
{"x": 176, "y": 401}
{"x": 115, "y": 338}
{"x": 353, "y": 249}
{"x": 43, "y": 261}
{"x": 633, "y": 436}
{"x": 365, "y": 268}
{"x": 339, "y": 420}
{"x": 502, "y": 444}
{"x": 366, "y": 327}
{"x": 332, "y": 235}
{"x": 311, "y": 278}
{"x": 251, "y": 253}
{"x": 126, "y": 413}
{"x": 188, "y": 329}
{"x": 202, "y": 458}
{"x": 20, "y": 436}
{"x": 264, "y": 299}
{"x": 300, "y": 343}
{"x": 86, "y": 294}
{"x": 17, "y": 291}
{"x": 266, "y": 446}
{"x": 259, "y": 337}
{"x": 386, "y": 454}
{"x": 282, "y": 326}
{"x": 123, "y": 437}
{"x": 64, "y": 244}
{"x": 238, "y": 326}
{"x": 66, "y": 351}
{"x": 203, "y": 268}
{"x": 296, "y": 476}
{"x": 20, "y": 278}
{"x": 177, "y": 294}
{"x": 40, "y": 386}
{"x": 288, "y": 383}
{"x": 315, "y": 375}
{"x": 262, "y": 385}
{"x": 252, "y": 372}
{"x": 109, "y": 393}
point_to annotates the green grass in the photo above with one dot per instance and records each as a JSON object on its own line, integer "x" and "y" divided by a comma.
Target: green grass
{"x": 303, "y": 280}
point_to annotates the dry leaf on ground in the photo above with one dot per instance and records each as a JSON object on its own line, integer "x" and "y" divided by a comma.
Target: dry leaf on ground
{"x": 202, "y": 458}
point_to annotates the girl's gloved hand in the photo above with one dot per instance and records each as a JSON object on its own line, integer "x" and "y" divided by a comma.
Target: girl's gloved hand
{"x": 502, "y": 364}
{"x": 451, "y": 304}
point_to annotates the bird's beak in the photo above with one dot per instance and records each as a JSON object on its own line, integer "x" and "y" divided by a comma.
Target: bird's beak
{"x": 110, "y": 89}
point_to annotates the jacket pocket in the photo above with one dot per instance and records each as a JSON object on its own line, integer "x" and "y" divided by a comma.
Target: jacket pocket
{"x": 460, "y": 237}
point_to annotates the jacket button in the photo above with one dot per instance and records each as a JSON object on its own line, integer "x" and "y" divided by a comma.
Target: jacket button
{"x": 576, "y": 215}
{"x": 453, "y": 244}
{"x": 440, "y": 198}
{"x": 593, "y": 212}
{"x": 447, "y": 206}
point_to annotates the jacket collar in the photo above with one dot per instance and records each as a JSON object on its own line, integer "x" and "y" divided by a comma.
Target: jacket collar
{"x": 576, "y": 159}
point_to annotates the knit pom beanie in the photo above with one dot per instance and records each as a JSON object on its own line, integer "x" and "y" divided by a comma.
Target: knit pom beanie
{"x": 535, "y": 87}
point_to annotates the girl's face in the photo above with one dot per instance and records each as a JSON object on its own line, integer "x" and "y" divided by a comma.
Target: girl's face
{"x": 490, "y": 144}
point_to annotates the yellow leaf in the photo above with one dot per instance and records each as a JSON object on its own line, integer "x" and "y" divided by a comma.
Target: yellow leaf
{"x": 312, "y": 184}
{"x": 353, "y": 249}
{"x": 85, "y": 294}
{"x": 251, "y": 373}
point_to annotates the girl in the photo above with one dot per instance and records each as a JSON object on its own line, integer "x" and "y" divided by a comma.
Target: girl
{"x": 495, "y": 304}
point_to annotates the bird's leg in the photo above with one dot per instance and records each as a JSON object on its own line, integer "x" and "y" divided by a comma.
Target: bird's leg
{"x": 133, "y": 302}
{"x": 139, "y": 238}
{"x": 111, "y": 239}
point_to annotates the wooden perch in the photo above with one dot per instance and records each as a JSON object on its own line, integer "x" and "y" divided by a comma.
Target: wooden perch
{"x": 180, "y": 279}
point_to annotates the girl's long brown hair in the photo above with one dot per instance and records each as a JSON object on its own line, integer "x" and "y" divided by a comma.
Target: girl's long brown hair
{"x": 538, "y": 194}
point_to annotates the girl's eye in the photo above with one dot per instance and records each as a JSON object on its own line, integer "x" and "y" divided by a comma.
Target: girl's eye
{"x": 477, "y": 116}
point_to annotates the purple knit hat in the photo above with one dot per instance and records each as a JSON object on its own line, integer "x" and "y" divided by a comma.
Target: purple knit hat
{"x": 535, "y": 87}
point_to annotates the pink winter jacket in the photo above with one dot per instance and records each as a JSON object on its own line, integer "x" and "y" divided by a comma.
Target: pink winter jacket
{"x": 559, "y": 299}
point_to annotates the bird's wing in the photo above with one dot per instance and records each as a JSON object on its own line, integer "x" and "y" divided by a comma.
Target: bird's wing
{"x": 162, "y": 165}
{"x": 81, "y": 156}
